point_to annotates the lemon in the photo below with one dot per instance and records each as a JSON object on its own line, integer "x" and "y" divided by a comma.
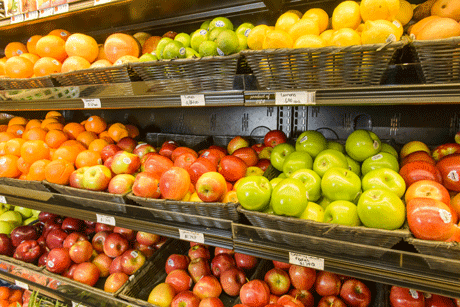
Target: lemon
{"x": 198, "y": 37}
{"x": 227, "y": 42}
{"x": 256, "y": 37}
{"x": 309, "y": 41}
{"x": 399, "y": 27}
{"x": 379, "y": 32}
{"x": 360, "y": 28}
{"x": 208, "y": 48}
{"x": 277, "y": 39}
{"x": 286, "y": 21}
{"x": 304, "y": 27}
{"x": 221, "y": 22}
{"x": 327, "y": 36}
{"x": 345, "y": 37}
{"x": 405, "y": 12}
{"x": 298, "y": 13}
{"x": 320, "y": 16}
{"x": 379, "y": 9}
{"x": 346, "y": 15}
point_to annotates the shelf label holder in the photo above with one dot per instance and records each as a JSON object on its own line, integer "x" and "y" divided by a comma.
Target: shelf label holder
{"x": 17, "y": 18}
{"x": 21, "y": 284}
{"x": 193, "y": 236}
{"x": 91, "y": 103}
{"x": 63, "y": 8}
{"x": 46, "y": 12}
{"x": 295, "y": 98}
{"x": 306, "y": 261}
{"x": 30, "y": 15}
{"x": 105, "y": 219}
{"x": 192, "y": 100}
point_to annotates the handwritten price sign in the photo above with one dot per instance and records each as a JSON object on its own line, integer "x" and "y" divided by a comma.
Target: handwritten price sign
{"x": 306, "y": 261}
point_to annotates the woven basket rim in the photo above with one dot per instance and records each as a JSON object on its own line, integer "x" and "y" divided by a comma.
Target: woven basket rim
{"x": 185, "y": 61}
{"x": 26, "y": 79}
{"x": 404, "y": 233}
{"x": 443, "y": 41}
{"x": 182, "y": 203}
{"x": 123, "y": 67}
{"x": 433, "y": 244}
{"x": 61, "y": 187}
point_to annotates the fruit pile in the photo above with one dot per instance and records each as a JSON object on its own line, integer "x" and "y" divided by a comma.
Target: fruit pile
{"x": 402, "y": 297}
{"x": 11, "y": 297}
{"x": 84, "y": 251}
{"x": 14, "y": 216}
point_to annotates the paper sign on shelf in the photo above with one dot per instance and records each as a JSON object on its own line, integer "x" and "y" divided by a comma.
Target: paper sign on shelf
{"x": 192, "y": 100}
{"x": 46, "y": 12}
{"x": 21, "y": 284}
{"x": 306, "y": 261}
{"x": 63, "y": 8}
{"x": 17, "y": 18}
{"x": 105, "y": 219}
{"x": 193, "y": 236}
{"x": 30, "y": 15}
{"x": 93, "y": 103}
{"x": 295, "y": 98}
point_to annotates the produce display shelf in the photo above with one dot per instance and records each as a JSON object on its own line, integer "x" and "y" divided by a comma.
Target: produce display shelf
{"x": 395, "y": 266}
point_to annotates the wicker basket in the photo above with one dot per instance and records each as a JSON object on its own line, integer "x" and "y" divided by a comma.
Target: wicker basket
{"x": 448, "y": 250}
{"x": 26, "y": 83}
{"x": 440, "y": 59}
{"x": 326, "y": 67}
{"x": 355, "y": 234}
{"x": 194, "y": 213}
{"x": 25, "y": 184}
{"x": 68, "y": 92}
{"x": 196, "y": 142}
{"x": 189, "y": 75}
{"x": 100, "y": 75}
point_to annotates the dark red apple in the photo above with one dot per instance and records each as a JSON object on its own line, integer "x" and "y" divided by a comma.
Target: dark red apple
{"x": 281, "y": 265}
{"x": 355, "y": 293}
{"x": 70, "y": 224}
{"x": 127, "y": 144}
{"x": 58, "y": 260}
{"x": 220, "y": 250}
{"x": 331, "y": 301}
{"x": 404, "y": 297}
{"x": 449, "y": 166}
{"x": 167, "y": 148}
{"x": 263, "y": 164}
{"x": 47, "y": 216}
{"x": 304, "y": 296}
{"x": 327, "y": 284}
{"x": 255, "y": 293}
{"x": 21, "y": 233}
{"x": 129, "y": 234}
{"x": 248, "y": 155}
{"x": 221, "y": 263}
{"x": 275, "y": 137}
{"x": 199, "y": 167}
{"x": 278, "y": 281}
{"x": 199, "y": 251}
{"x": 104, "y": 227}
{"x": 198, "y": 268}
{"x": 176, "y": 261}
{"x": 69, "y": 271}
{"x": 115, "y": 244}
{"x": 245, "y": 262}
{"x": 258, "y": 147}
{"x": 91, "y": 224}
{"x": 6, "y": 247}
{"x": 232, "y": 280}
{"x": 438, "y": 301}
{"x": 180, "y": 280}
{"x": 86, "y": 273}
{"x": 55, "y": 238}
{"x": 28, "y": 251}
{"x": 73, "y": 238}
{"x": 115, "y": 266}
{"x": 419, "y": 170}
{"x": 98, "y": 241}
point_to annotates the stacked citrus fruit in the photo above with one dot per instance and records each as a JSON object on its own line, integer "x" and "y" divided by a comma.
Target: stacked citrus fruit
{"x": 10, "y": 297}
{"x": 52, "y": 149}
{"x": 351, "y": 23}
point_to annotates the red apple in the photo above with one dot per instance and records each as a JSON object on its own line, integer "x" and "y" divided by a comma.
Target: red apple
{"x": 146, "y": 238}
{"x": 438, "y": 301}
{"x": 125, "y": 162}
{"x": 76, "y": 178}
{"x": 131, "y": 261}
{"x": 174, "y": 183}
{"x": 115, "y": 266}
{"x": 278, "y": 281}
{"x": 302, "y": 278}
{"x": 274, "y": 137}
{"x": 245, "y": 262}
{"x": 248, "y": 155}
{"x": 167, "y": 148}
{"x": 211, "y": 187}
{"x": 70, "y": 224}
{"x": 199, "y": 251}
{"x": 115, "y": 244}
{"x": 157, "y": 164}
{"x": 255, "y": 293}
{"x": 69, "y": 271}
{"x": 180, "y": 280}
{"x": 146, "y": 185}
{"x": 58, "y": 260}
{"x": 429, "y": 189}
{"x": 331, "y": 301}
{"x": 236, "y": 143}
{"x": 98, "y": 240}
{"x": 127, "y": 144}
{"x": 143, "y": 149}
{"x": 449, "y": 167}
{"x": 121, "y": 184}
{"x": 289, "y": 301}
{"x": 304, "y": 296}
{"x": 27, "y": 251}
{"x": 211, "y": 302}
{"x": 47, "y": 216}
{"x": 404, "y": 297}
{"x": 221, "y": 263}
{"x": 445, "y": 150}
{"x": 232, "y": 168}
{"x": 182, "y": 150}
{"x": 129, "y": 234}
{"x": 258, "y": 147}
{"x": 263, "y": 164}
{"x": 147, "y": 250}
{"x": 221, "y": 250}
{"x": 86, "y": 273}
{"x": 55, "y": 238}
{"x": 199, "y": 167}
{"x": 22, "y": 233}
{"x": 214, "y": 155}
{"x": 185, "y": 299}
{"x": 104, "y": 227}
{"x": 418, "y": 156}
{"x": 419, "y": 170}
{"x": 198, "y": 268}
{"x": 115, "y": 281}
{"x": 327, "y": 284}
{"x": 109, "y": 151}
{"x": 282, "y": 265}
{"x": 185, "y": 160}
{"x": 81, "y": 251}
{"x": 73, "y": 238}
{"x": 355, "y": 293}
{"x": 176, "y": 261}
{"x": 274, "y": 299}
{"x": 6, "y": 247}
{"x": 97, "y": 178}
{"x": 103, "y": 262}
{"x": 207, "y": 286}
{"x": 232, "y": 280}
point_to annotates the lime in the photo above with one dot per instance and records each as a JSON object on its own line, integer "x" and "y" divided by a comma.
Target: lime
{"x": 197, "y": 38}
{"x": 205, "y": 25}
{"x": 190, "y": 53}
{"x": 214, "y": 33}
{"x": 244, "y": 28}
{"x": 184, "y": 38}
{"x": 208, "y": 48}
{"x": 147, "y": 57}
{"x": 221, "y": 22}
{"x": 161, "y": 45}
{"x": 174, "y": 50}
{"x": 227, "y": 42}
{"x": 242, "y": 42}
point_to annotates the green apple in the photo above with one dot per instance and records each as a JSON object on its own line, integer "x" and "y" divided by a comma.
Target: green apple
{"x": 6, "y": 227}
{"x": 379, "y": 208}
{"x": 279, "y": 154}
{"x": 362, "y": 144}
{"x": 384, "y": 178}
{"x": 335, "y": 145}
{"x": 311, "y": 181}
{"x": 254, "y": 171}
{"x": 161, "y": 45}
{"x": 340, "y": 183}
{"x": 324, "y": 202}
{"x": 29, "y": 220}
{"x": 244, "y": 28}
{"x": 282, "y": 176}
{"x": 35, "y": 212}
{"x": 289, "y": 197}
{"x": 25, "y": 212}
{"x": 327, "y": 159}
{"x": 390, "y": 149}
{"x": 342, "y": 212}
{"x": 295, "y": 161}
{"x": 311, "y": 141}
{"x": 148, "y": 57}
{"x": 275, "y": 181}
{"x": 269, "y": 210}
{"x": 380, "y": 160}
{"x": 4, "y": 208}
{"x": 13, "y": 217}
{"x": 353, "y": 165}
{"x": 254, "y": 192}
{"x": 313, "y": 212}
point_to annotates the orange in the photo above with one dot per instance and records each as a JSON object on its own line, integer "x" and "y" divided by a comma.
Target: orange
{"x": 105, "y": 135}
{"x": 98, "y": 144}
{"x": 9, "y": 166}
{"x": 59, "y": 171}
{"x": 86, "y": 137}
{"x": 51, "y": 46}
{"x": 46, "y": 66}
{"x": 37, "y": 170}
{"x": 17, "y": 120}
{"x": 33, "y": 123}
{"x": 5, "y": 136}
{"x": 4, "y": 293}
{"x": 3, "y": 128}
{"x": 13, "y": 147}
{"x": 82, "y": 45}
{"x": 95, "y": 124}
{"x": 35, "y": 134}
{"x": 4, "y": 303}
{"x": 47, "y": 121}
{"x": 73, "y": 130}
{"x": 74, "y": 63}
{"x": 101, "y": 55}
{"x": 117, "y": 131}
{"x": 17, "y": 130}
{"x": 68, "y": 153}
{"x": 32, "y": 42}
{"x": 34, "y": 150}
{"x": 318, "y": 15}
{"x": 2, "y": 148}
{"x": 286, "y": 21}
{"x": 16, "y": 295}
{"x": 15, "y": 49}
{"x": 54, "y": 126}
{"x": 88, "y": 158}
{"x": 19, "y": 67}
{"x": 54, "y": 138}
{"x": 133, "y": 131}
{"x": 120, "y": 44}
{"x": 64, "y": 34}
{"x": 277, "y": 39}
{"x": 23, "y": 166}
{"x": 30, "y": 56}
{"x": 150, "y": 44}
{"x": 101, "y": 63}
{"x": 14, "y": 303}
{"x": 2, "y": 66}
{"x": 74, "y": 143}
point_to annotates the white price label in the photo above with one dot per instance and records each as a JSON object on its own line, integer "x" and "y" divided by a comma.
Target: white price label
{"x": 453, "y": 175}
{"x": 63, "y": 8}
{"x": 306, "y": 261}
{"x": 105, "y": 219}
{"x": 46, "y": 12}
{"x": 17, "y": 18}
{"x": 2, "y": 199}
{"x": 193, "y": 236}
{"x": 21, "y": 284}
{"x": 98, "y": 2}
{"x": 30, "y": 15}
{"x": 192, "y": 100}
{"x": 94, "y": 103}
{"x": 76, "y": 304}
{"x": 295, "y": 98}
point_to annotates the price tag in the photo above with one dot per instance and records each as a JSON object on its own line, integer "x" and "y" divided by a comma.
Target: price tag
{"x": 46, "y": 12}
{"x": 306, "y": 261}
{"x": 21, "y": 284}
{"x": 259, "y": 98}
{"x": 193, "y": 236}
{"x": 30, "y": 15}
{"x": 63, "y": 8}
{"x": 105, "y": 219}
{"x": 2, "y": 199}
{"x": 17, "y": 18}
{"x": 94, "y": 103}
{"x": 192, "y": 100}
{"x": 98, "y": 2}
{"x": 295, "y": 98}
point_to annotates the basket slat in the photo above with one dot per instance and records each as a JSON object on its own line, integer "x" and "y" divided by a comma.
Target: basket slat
{"x": 26, "y": 83}
{"x": 101, "y": 75}
{"x": 448, "y": 250}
